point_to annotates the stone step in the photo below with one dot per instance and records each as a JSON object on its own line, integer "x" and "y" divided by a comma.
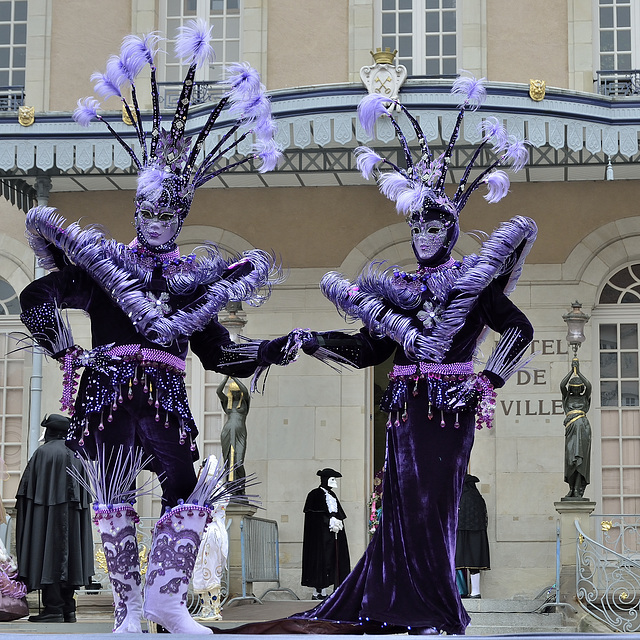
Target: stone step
{"x": 508, "y": 617}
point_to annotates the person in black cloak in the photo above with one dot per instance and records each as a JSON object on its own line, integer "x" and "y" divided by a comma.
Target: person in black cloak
{"x": 472, "y": 543}
{"x": 325, "y": 552}
{"x": 54, "y": 543}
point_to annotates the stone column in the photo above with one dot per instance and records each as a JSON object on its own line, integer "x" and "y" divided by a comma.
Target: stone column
{"x": 235, "y": 512}
{"x": 570, "y": 511}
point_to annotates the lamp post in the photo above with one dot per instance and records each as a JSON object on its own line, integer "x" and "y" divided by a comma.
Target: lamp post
{"x": 576, "y": 400}
{"x": 233, "y": 318}
{"x": 576, "y": 320}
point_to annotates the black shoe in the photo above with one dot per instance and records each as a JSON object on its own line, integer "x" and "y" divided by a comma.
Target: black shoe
{"x": 318, "y": 596}
{"x": 423, "y": 631}
{"x": 70, "y": 617}
{"x": 47, "y": 617}
{"x": 476, "y": 597}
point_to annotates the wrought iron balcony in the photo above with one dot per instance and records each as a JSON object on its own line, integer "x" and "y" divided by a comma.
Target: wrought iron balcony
{"x": 202, "y": 92}
{"x": 618, "y": 83}
{"x": 11, "y": 98}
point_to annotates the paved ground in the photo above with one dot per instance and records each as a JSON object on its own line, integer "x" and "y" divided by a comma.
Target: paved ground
{"x": 96, "y": 621}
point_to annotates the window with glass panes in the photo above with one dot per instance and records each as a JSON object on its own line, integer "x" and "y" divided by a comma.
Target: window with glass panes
{"x": 13, "y": 42}
{"x": 224, "y": 18}
{"x": 424, "y": 32}
{"x": 617, "y": 35}
{"x": 618, "y": 377}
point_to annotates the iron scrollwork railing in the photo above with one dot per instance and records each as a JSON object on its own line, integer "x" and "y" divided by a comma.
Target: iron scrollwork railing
{"x": 608, "y": 582}
{"x": 618, "y": 83}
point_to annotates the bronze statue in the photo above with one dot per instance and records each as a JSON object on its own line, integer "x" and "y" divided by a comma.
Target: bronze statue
{"x": 233, "y": 437}
{"x": 576, "y": 400}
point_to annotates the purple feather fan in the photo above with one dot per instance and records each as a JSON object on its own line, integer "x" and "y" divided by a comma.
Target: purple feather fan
{"x": 193, "y": 43}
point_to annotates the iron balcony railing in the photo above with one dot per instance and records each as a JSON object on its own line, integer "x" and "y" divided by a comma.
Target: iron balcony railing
{"x": 202, "y": 92}
{"x": 618, "y": 83}
{"x": 11, "y": 98}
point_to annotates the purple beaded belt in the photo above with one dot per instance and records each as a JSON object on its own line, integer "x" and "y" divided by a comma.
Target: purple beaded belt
{"x": 425, "y": 368}
{"x": 144, "y": 355}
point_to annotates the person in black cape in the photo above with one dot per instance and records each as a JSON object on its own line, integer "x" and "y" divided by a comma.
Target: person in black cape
{"x": 54, "y": 543}
{"x": 472, "y": 543}
{"x": 325, "y": 552}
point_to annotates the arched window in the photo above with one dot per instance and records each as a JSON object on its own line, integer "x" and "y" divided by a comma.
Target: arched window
{"x": 9, "y": 303}
{"x": 617, "y": 389}
{"x": 623, "y": 287}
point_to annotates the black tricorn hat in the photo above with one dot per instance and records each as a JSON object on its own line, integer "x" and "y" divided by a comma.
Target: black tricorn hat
{"x": 55, "y": 424}
{"x": 328, "y": 473}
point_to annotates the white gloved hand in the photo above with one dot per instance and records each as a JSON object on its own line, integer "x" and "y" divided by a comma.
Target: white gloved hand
{"x": 335, "y": 525}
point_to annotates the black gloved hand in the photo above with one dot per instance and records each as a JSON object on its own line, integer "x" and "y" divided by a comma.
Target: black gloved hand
{"x": 272, "y": 351}
{"x": 311, "y": 344}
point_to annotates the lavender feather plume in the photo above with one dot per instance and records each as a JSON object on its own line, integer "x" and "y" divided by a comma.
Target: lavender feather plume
{"x": 244, "y": 81}
{"x": 371, "y": 107}
{"x": 517, "y": 153}
{"x": 411, "y": 199}
{"x": 497, "y": 185}
{"x": 86, "y": 111}
{"x": 136, "y": 52}
{"x": 392, "y": 184}
{"x": 269, "y": 152}
{"x": 150, "y": 181}
{"x": 472, "y": 91}
{"x": 193, "y": 43}
{"x": 494, "y": 130}
{"x": 366, "y": 161}
{"x": 105, "y": 85}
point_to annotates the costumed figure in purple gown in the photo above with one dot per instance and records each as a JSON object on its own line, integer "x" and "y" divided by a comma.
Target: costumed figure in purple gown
{"x": 432, "y": 320}
{"x": 147, "y": 304}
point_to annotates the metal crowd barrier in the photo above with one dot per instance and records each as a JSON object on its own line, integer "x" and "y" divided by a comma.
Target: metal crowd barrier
{"x": 260, "y": 557}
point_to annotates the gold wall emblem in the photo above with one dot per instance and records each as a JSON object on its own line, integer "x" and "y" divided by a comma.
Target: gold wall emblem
{"x": 537, "y": 89}
{"x": 26, "y": 116}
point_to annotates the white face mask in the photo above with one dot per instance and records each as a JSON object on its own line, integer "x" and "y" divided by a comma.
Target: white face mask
{"x": 157, "y": 232}
{"x": 332, "y": 483}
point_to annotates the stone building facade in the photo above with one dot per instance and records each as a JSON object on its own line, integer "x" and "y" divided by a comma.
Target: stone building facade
{"x": 318, "y": 214}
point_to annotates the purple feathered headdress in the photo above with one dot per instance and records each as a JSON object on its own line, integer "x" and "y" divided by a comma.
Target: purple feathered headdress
{"x": 169, "y": 160}
{"x": 420, "y": 184}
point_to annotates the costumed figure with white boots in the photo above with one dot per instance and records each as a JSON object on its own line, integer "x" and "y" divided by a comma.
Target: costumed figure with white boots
{"x": 211, "y": 560}
{"x": 147, "y": 305}
{"x": 432, "y": 321}
{"x": 325, "y": 552}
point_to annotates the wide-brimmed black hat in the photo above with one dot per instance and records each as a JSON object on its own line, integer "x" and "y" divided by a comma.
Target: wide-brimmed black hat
{"x": 328, "y": 473}
{"x": 55, "y": 424}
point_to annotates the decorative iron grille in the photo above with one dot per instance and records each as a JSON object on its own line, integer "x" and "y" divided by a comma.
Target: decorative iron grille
{"x": 608, "y": 581}
{"x": 202, "y": 92}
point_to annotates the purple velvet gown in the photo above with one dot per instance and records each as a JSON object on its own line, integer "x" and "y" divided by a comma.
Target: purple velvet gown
{"x": 406, "y": 577}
